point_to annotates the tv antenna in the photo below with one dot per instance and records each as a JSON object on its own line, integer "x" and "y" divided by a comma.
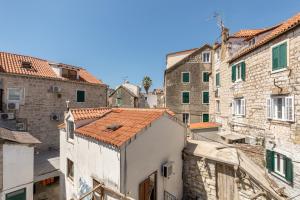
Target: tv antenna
{"x": 217, "y": 16}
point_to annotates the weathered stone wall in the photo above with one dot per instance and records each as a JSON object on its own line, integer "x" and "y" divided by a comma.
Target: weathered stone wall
{"x": 174, "y": 87}
{"x": 39, "y": 103}
{"x": 126, "y": 98}
{"x": 257, "y": 87}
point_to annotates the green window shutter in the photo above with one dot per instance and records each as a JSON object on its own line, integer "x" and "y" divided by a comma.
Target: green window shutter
{"x": 233, "y": 73}
{"x": 185, "y": 77}
{"x": 205, "y": 77}
{"x": 205, "y": 97}
{"x": 218, "y": 79}
{"x": 243, "y": 65}
{"x": 185, "y": 97}
{"x": 275, "y": 58}
{"x": 288, "y": 169}
{"x": 80, "y": 96}
{"x": 283, "y": 55}
{"x": 270, "y": 160}
{"x": 205, "y": 117}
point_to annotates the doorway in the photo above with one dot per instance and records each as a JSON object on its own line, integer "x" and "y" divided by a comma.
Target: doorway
{"x": 147, "y": 189}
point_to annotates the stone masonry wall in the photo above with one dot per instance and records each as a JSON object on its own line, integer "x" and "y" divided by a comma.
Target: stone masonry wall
{"x": 39, "y": 104}
{"x": 174, "y": 87}
{"x": 257, "y": 87}
{"x": 126, "y": 98}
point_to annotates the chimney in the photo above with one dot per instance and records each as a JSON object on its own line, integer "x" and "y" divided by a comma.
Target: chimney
{"x": 225, "y": 37}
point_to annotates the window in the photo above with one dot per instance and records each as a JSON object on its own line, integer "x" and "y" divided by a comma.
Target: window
{"x": 217, "y": 106}
{"x": 70, "y": 169}
{"x": 217, "y": 79}
{"x": 186, "y": 118}
{"x": 205, "y": 117}
{"x": 70, "y": 130}
{"x": 80, "y": 96}
{"x": 185, "y": 97}
{"x": 238, "y": 107}
{"x": 280, "y": 108}
{"x": 185, "y": 77}
{"x": 280, "y": 165}
{"x": 205, "y": 97}
{"x": 205, "y": 76}
{"x": 17, "y": 195}
{"x": 15, "y": 94}
{"x": 252, "y": 42}
{"x": 238, "y": 72}
{"x": 206, "y": 57}
{"x": 26, "y": 65}
{"x": 217, "y": 55}
{"x": 279, "y": 56}
{"x": 119, "y": 101}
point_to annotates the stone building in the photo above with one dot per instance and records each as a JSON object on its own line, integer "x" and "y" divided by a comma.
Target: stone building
{"x": 34, "y": 95}
{"x": 127, "y": 95}
{"x": 255, "y": 86}
{"x": 186, "y": 84}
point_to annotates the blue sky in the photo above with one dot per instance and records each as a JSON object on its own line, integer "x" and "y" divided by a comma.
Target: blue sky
{"x": 114, "y": 39}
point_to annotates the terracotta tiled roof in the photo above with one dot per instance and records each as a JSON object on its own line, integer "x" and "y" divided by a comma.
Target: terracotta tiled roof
{"x": 247, "y": 33}
{"x": 89, "y": 113}
{"x": 183, "y": 52}
{"x": 204, "y": 125}
{"x": 131, "y": 122}
{"x": 282, "y": 28}
{"x": 12, "y": 63}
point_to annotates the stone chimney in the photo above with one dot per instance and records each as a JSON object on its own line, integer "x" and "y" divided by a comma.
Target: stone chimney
{"x": 225, "y": 36}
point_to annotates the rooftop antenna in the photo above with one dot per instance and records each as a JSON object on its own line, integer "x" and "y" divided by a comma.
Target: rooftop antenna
{"x": 217, "y": 16}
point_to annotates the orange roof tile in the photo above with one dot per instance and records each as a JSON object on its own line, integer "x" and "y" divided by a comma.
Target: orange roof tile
{"x": 88, "y": 113}
{"x": 280, "y": 29}
{"x": 247, "y": 33}
{"x": 12, "y": 63}
{"x": 204, "y": 125}
{"x": 132, "y": 121}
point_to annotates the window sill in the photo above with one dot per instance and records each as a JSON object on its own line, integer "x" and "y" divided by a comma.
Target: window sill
{"x": 185, "y": 103}
{"x": 238, "y": 116}
{"x": 280, "y": 177}
{"x": 279, "y": 70}
{"x": 278, "y": 121}
{"x": 205, "y": 103}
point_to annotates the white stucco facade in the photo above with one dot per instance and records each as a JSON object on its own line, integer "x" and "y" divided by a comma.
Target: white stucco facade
{"x": 17, "y": 169}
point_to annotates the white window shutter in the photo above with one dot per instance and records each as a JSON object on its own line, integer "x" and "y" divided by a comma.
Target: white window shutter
{"x": 243, "y": 107}
{"x": 269, "y": 108}
{"x": 233, "y": 107}
{"x": 289, "y": 106}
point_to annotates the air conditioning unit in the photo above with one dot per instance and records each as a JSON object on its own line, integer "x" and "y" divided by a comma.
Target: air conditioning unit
{"x": 55, "y": 89}
{"x": 7, "y": 116}
{"x": 55, "y": 117}
{"x": 167, "y": 169}
{"x": 13, "y": 106}
{"x": 21, "y": 126}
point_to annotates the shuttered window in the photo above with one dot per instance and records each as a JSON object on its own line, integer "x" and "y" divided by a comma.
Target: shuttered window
{"x": 205, "y": 77}
{"x": 279, "y": 164}
{"x": 205, "y": 117}
{"x": 238, "y": 72}
{"x": 233, "y": 73}
{"x": 239, "y": 107}
{"x": 218, "y": 79}
{"x": 205, "y": 97}
{"x": 279, "y": 56}
{"x": 80, "y": 96}
{"x": 185, "y": 77}
{"x": 280, "y": 108}
{"x": 185, "y": 97}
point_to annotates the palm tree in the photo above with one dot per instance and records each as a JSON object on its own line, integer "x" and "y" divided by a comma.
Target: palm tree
{"x": 147, "y": 82}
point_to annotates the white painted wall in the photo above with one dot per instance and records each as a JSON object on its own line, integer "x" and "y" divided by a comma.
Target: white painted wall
{"x": 91, "y": 159}
{"x": 18, "y": 169}
{"x": 151, "y": 100}
{"x": 160, "y": 143}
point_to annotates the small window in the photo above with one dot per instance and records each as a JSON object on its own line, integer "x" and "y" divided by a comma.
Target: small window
{"x": 279, "y": 56}
{"x": 217, "y": 106}
{"x": 186, "y": 118}
{"x": 185, "y": 97}
{"x": 205, "y": 97}
{"x": 217, "y": 55}
{"x": 205, "y": 76}
{"x": 185, "y": 77}
{"x": 26, "y": 65}
{"x": 238, "y": 106}
{"x": 206, "y": 57}
{"x": 19, "y": 194}
{"x": 280, "y": 108}
{"x": 15, "y": 94}
{"x": 80, "y": 96}
{"x": 70, "y": 169}
{"x": 217, "y": 79}
{"x": 238, "y": 72}
{"x": 205, "y": 117}
{"x": 70, "y": 130}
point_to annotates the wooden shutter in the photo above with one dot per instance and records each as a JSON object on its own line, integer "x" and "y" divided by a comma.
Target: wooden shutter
{"x": 269, "y": 108}
{"x": 80, "y": 96}
{"x": 289, "y": 106}
{"x": 205, "y": 117}
{"x": 275, "y": 58}
{"x": 233, "y": 73}
{"x": 185, "y": 97}
{"x": 243, "y": 106}
{"x": 243, "y": 65}
{"x": 288, "y": 169}
{"x": 205, "y": 77}
{"x": 185, "y": 77}
{"x": 282, "y": 55}
{"x": 144, "y": 189}
{"x": 205, "y": 97}
{"x": 270, "y": 160}
{"x": 218, "y": 79}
